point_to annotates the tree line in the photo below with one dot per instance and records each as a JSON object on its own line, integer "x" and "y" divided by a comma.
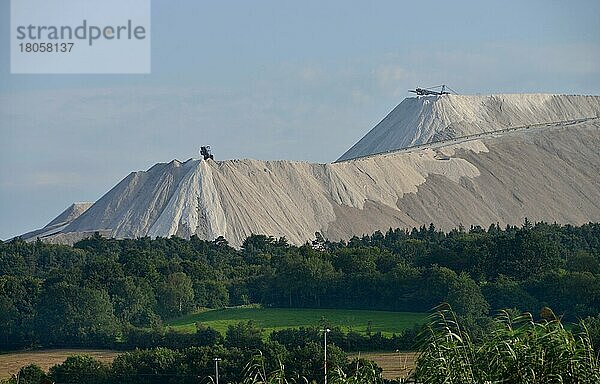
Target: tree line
{"x": 104, "y": 291}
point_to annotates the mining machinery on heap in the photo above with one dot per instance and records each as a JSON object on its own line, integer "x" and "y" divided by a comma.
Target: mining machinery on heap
{"x": 206, "y": 153}
{"x": 438, "y": 90}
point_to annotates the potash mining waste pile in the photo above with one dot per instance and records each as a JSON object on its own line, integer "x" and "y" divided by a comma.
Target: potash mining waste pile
{"x": 445, "y": 159}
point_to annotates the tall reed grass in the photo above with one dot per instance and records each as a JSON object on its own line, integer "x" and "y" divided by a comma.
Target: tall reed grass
{"x": 517, "y": 350}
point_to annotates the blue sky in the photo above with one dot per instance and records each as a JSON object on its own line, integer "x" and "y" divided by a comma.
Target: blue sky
{"x": 271, "y": 80}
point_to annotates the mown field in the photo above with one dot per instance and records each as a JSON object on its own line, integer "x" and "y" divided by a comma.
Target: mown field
{"x": 10, "y": 363}
{"x": 272, "y": 319}
{"x": 394, "y": 364}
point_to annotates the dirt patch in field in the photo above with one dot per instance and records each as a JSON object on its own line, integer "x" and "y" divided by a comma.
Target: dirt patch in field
{"x": 394, "y": 364}
{"x": 10, "y": 363}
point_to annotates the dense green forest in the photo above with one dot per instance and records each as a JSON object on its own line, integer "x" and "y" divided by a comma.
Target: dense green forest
{"x": 104, "y": 291}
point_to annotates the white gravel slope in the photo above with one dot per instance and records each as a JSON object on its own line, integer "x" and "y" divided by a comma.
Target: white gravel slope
{"x": 238, "y": 197}
{"x": 426, "y": 119}
{"x": 60, "y": 222}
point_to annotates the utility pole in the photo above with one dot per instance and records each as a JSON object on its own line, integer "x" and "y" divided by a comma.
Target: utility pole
{"x": 216, "y": 360}
{"x": 325, "y": 332}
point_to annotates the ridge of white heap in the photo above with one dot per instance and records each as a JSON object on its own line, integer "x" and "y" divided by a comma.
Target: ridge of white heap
{"x": 427, "y": 119}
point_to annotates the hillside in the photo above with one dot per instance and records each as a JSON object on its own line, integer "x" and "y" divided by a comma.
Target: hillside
{"x": 421, "y": 120}
{"x": 544, "y": 172}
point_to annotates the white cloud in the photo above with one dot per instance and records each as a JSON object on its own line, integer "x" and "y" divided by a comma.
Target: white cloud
{"x": 360, "y": 97}
{"x": 390, "y": 73}
{"x": 311, "y": 73}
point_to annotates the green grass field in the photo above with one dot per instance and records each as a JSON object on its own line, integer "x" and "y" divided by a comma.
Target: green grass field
{"x": 280, "y": 318}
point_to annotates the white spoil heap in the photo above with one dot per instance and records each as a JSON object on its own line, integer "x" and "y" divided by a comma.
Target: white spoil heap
{"x": 546, "y": 172}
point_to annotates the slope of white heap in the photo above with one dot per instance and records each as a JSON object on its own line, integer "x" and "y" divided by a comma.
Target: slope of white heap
{"x": 236, "y": 198}
{"x": 548, "y": 173}
{"x": 60, "y": 222}
{"x": 427, "y": 119}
